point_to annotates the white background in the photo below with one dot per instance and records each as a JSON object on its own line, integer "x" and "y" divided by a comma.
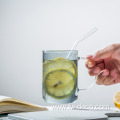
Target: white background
{"x": 29, "y": 26}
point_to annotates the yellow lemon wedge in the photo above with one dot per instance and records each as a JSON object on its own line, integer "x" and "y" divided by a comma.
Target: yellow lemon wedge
{"x": 59, "y": 83}
{"x": 116, "y": 99}
{"x": 59, "y": 63}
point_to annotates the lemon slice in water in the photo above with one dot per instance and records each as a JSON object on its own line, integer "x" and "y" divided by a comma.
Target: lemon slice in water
{"x": 58, "y": 63}
{"x": 59, "y": 83}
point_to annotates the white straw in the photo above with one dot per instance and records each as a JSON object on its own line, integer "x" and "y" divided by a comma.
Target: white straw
{"x": 83, "y": 38}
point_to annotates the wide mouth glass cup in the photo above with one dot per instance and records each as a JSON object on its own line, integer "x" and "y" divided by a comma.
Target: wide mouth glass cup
{"x": 52, "y": 54}
{"x": 60, "y": 76}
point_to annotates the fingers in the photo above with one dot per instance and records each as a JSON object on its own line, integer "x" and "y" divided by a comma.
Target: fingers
{"x": 107, "y": 78}
{"x": 90, "y": 57}
{"x": 116, "y": 54}
{"x": 96, "y": 63}
{"x": 114, "y": 81}
{"x": 101, "y": 65}
{"x": 94, "y": 71}
{"x": 117, "y": 79}
{"x": 104, "y": 53}
{"x": 102, "y": 76}
{"x": 90, "y": 64}
{"x": 93, "y": 68}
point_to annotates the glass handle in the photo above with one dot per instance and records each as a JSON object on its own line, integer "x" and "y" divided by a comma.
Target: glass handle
{"x": 83, "y": 58}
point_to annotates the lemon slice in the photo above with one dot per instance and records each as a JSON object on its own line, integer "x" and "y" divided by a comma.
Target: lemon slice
{"x": 60, "y": 58}
{"x": 59, "y": 63}
{"x": 59, "y": 83}
{"x": 116, "y": 99}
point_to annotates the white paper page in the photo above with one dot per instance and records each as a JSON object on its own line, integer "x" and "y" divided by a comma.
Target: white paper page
{"x": 3, "y": 97}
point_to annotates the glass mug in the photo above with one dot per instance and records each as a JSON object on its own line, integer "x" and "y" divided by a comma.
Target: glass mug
{"x": 60, "y": 81}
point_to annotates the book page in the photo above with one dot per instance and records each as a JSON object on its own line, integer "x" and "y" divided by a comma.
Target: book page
{"x": 3, "y": 97}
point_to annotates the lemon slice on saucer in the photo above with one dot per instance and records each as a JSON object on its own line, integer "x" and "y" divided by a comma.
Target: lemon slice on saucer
{"x": 59, "y": 83}
{"x": 116, "y": 99}
{"x": 59, "y": 63}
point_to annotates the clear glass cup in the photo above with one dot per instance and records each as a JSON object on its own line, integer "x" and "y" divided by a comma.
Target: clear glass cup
{"x": 52, "y": 64}
{"x": 60, "y": 76}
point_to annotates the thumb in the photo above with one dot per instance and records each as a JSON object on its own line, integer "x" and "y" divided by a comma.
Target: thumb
{"x": 104, "y": 53}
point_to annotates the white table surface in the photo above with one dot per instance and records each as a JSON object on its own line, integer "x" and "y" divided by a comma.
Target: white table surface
{"x": 66, "y": 115}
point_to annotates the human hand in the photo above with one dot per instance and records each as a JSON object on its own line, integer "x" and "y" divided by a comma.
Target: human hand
{"x": 108, "y": 60}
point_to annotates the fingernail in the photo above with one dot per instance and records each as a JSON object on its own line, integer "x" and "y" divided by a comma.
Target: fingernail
{"x": 98, "y": 83}
{"x": 90, "y": 64}
{"x": 96, "y": 71}
{"x": 104, "y": 73}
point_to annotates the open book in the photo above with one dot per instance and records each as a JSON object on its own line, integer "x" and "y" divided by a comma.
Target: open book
{"x": 11, "y": 105}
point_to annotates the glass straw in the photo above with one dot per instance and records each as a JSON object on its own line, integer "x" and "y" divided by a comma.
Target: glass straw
{"x": 85, "y": 36}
